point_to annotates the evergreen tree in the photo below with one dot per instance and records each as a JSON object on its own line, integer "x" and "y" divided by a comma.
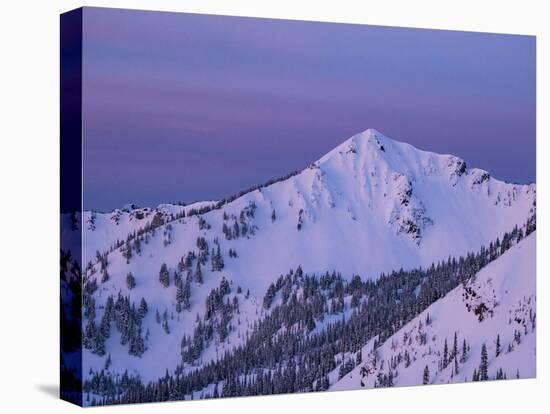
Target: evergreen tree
{"x": 177, "y": 278}
{"x": 217, "y": 259}
{"x": 165, "y": 326}
{"x": 127, "y": 253}
{"x": 406, "y": 357}
{"x": 445, "y": 354}
{"x": 236, "y": 230}
{"x": 183, "y": 295}
{"x": 454, "y": 352}
{"x": 456, "y": 365}
{"x": 105, "y": 276}
{"x": 464, "y": 355}
{"x": 130, "y": 281}
{"x": 186, "y": 295}
{"x": 164, "y": 275}
{"x": 108, "y": 362}
{"x": 426, "y": 376}
{"x": 202, "y": 244}
{"x": 105, "y": 325}
{"x": 198, "y": 274}
{"x": 497, "y": 352}
{"x": 483, "y": 366}
{"x": 179, "y": 298}
{"x": 89, "y": 335}
{"x": 137, "y": 245}
{"x": 226, "y": 231}
{"x": 99, "y": 343}
{"x": 269, "y": 296}
{"x": 143, "y": 308}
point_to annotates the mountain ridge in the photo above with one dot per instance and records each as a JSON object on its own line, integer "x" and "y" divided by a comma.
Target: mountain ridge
{"x": 368, "y": 207}
{"x": 369, "y": 134}
{"x": 376, "y": 188}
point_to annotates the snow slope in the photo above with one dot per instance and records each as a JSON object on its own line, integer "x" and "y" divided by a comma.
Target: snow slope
{"x": 371, "y": 205}
{"x": 507, "y": 287}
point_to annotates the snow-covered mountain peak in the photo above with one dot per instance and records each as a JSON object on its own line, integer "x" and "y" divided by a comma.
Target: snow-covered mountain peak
{"x": 370, "y": 190}
{"x": 370, "y": 139}
{"x": 362, "y": 143}
{"x": 403, "y": 187}
{"x": 372, "y": 205}
{"x": 371, "y": 149}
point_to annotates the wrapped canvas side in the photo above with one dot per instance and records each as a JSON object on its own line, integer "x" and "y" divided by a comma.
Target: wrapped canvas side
{"x": 71, "y": 207}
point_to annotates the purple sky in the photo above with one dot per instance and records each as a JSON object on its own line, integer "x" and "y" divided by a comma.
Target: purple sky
{"x": 182, "y": 107}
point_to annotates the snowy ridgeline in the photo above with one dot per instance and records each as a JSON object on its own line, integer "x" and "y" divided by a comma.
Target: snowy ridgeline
{"x": 172, "y": 291}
